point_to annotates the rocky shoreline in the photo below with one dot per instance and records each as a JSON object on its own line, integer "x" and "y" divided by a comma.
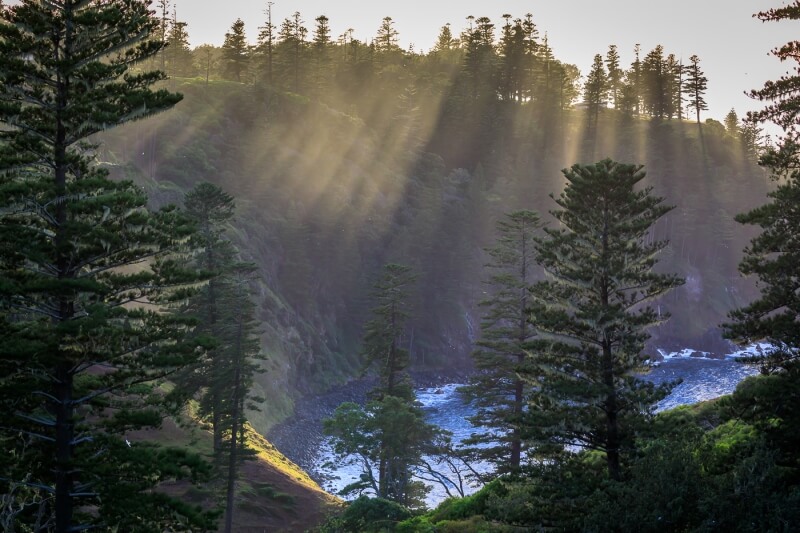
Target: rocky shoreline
{"x": 300, "y": 436}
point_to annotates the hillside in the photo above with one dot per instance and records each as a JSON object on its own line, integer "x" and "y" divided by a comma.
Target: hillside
{"x": 326, "y": 197}
{"x": 273, "y": 493}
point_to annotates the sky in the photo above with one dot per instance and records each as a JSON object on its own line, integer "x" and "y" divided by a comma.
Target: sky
{"x": 732, "y": 45}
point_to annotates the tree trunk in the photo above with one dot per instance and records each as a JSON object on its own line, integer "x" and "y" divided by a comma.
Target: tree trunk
{"x": 64, "y": 436}
{"x": 235, "y": 426}
{"x": 516, "y": 438}
{"x": 612, "y": 443}
{"x": 63, "y": 387}
{"x": 612, "y": 424}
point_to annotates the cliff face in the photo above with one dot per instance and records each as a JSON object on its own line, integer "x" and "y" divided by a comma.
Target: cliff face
{"x": 325, "y": 198}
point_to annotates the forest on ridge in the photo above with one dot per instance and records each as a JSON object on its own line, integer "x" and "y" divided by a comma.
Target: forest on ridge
{"x": 193, "y": 240}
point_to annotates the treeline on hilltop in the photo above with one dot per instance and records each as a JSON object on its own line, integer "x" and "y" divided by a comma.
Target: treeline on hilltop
{"x": 474, "y": 71}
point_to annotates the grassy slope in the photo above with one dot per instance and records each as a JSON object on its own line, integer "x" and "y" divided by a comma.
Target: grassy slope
{"x": 273, "y": 493}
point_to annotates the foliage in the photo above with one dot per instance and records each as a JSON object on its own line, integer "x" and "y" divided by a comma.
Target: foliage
{"x": 389, "y": 435}
{"x": 87, "y": 273}
{"x": 384, "y": 331}
{"x": 235, "y": 52}
{"x": 592, "y": 314}
{"x": 497, "y": 391}
{"x": 178, "y": 54}
{"x": 615, "y": 75}
{"x": 454, "y": 509}
{"x": 784, "y": 106}
{"x": 226, "y": 315}
{"x": 595, "y": 91}
{"x": 368, "y": 515}
{"x": 770, "y": 404}
{"x": 774, "y": 255}
{"x": 695, "y": 86}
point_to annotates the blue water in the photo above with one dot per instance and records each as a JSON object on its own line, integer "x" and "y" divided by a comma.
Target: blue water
{"x": 702, "y": 379}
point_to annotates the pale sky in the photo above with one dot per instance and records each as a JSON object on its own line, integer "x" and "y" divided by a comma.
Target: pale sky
{"x": 731, "y": 44}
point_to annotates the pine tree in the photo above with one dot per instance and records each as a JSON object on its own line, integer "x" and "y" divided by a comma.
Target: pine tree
{"x": 546, "y": 83}
{"x": 673, "y": 70}
{"x": 592, "y": 317}
{"x": 656, "y": 95}
{"x": 770, "y": 404}
{"x": 226, "y": 319}
{"x": 292, "y": 46}
{"x": 751, "y": 136}
{"x": 531, "y": 43}
{"x": 498, "y": 392}
{"x": 783, "y": 106}
{"x": 266, "y": 42}
{"x": 615, "y": 74}
{"x": 595, "y": 91}
{"x": 178, "y": 53}
{"x": 163, "y": 30}
{"x": 387, "y": 37}
{"x": 242, "y": 353}
{"x": 774, "y": 255}
{"x": 695, "y": 86}
{"x": 513, "y": 58}
{"x": 634, "y": 91}
{"x": 732, "y": 124}
{"x": 389, "y": 435}
{"x": 211, "y": 209}
{"x": 569, "y": 89}
{"x": 322, "y": 54}
{"x": 480, "y": 62}
{"x": 383, "y": 333}
{"x": 445, "y": 41}
{"x": 235, "y": 52}
{"x": 86, "y": 270}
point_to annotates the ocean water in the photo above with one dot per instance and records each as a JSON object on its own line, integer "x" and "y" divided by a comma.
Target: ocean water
{"x": 702, "y": 378}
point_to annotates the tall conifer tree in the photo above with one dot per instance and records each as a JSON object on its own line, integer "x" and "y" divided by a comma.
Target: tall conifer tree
{"x": 731, "y": 122}
{"x": 615, "y": 74}
{"x": 774, "y": 256}
{"x": 656, "y": 95}
{"x": 386, "y": 39}
{"x": 389, "y": 435}
{"x": 695, "y": 86}
{"x": 226, "y": 320}
{"x": 235, "y": 52}
{"x": 480, "y": 62}
{"x": 178, "y": 53}
{"x": 322, "y": 55}
{"x": 86, "y": 270}
{"x": 241, "y": 350}
{"x": 266, "y": 42}
{"x": 211, "y": 209}
{"x": 292, "y": 37}
{"x": 592, "y": 314}
{"x": 498, "y": 391}
{"x": 634, "y": 78}
{"x": 771, "y": 403}
{"x": 595, "y": 91}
